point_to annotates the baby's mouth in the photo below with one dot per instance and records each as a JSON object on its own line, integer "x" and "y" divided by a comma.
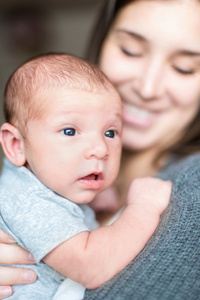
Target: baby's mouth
{"x": 92, "y": 181}
{"x": 90, "y": 177}
{"x": 93, "y": 176}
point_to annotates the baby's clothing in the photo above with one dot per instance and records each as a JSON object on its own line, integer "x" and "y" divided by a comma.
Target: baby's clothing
{"x": 72, "y": 290}
{"x": 39, "y": 220}
{"x": 69, "y": 290}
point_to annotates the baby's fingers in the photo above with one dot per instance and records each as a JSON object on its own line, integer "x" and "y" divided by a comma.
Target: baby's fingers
{"x": 163, "y": 195}
{"x": 151, "y": 191}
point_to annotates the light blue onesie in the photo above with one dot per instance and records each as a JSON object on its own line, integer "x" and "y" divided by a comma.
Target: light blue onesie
{"x": 39, "y": 220}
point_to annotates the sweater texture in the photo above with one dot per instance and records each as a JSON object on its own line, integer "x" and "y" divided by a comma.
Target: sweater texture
{"x": 168, "y": 268}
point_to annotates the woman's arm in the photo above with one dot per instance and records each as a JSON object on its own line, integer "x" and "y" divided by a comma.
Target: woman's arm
{"x": 169, "y": 266}
{"x": 13, "y": 254}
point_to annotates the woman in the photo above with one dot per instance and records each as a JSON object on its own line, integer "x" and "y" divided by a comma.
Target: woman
{"x": 150, "y": 50}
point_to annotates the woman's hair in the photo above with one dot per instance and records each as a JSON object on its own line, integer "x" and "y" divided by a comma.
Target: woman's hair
{"x": 43, "y": 73}
{"x": 189, "y": 142}
{"x": 104, "y": 21}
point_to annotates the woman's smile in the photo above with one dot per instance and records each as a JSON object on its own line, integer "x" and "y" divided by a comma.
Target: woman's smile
{"x": 138, "y": 117}
{"x": 155, "y": 70}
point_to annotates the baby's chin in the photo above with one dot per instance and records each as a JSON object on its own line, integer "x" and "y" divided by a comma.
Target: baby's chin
{"x": 85, "y": 197}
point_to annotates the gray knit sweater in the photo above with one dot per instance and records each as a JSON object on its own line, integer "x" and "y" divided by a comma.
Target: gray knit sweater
{"x": 168, "y": 268}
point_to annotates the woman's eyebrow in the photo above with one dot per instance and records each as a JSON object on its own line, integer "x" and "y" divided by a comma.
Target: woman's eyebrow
{"x": 143, "y": 39}
{"x": 131, "y": 34}
{"x": 190, "y": 53}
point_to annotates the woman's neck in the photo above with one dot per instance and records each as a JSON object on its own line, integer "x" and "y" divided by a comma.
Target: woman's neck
{"x": 138, "y": 164}
{"x": 134, "y": 165}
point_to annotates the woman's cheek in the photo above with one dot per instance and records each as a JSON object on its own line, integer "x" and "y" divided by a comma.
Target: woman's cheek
{"x": 113, "y": 64}
{"x": 185, "y": 91}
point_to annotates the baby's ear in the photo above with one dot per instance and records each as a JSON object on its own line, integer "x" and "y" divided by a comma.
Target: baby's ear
{"x": 13, "y": 144}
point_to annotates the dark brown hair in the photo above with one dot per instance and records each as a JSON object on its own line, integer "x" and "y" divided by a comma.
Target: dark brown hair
{"x": 104, "y": 21}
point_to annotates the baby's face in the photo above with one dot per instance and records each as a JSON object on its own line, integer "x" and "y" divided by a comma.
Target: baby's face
{"x": 74, "y": 146}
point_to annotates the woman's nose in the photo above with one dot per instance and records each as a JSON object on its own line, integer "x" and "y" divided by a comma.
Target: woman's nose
{"x": 97, "y": 148}
{"x": 149, "y": 83}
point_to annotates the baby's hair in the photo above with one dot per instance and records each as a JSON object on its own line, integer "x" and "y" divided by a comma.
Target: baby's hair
{"x": 48, "y": 71}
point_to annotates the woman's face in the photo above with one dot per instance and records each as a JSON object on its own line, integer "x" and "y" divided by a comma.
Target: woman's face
{"x": 152, "y": 55}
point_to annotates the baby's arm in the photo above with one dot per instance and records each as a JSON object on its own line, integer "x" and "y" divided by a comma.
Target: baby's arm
{"x": 92, "y": 258}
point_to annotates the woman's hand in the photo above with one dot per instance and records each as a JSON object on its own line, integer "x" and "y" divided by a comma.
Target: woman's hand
{"x": 13, "y": 254}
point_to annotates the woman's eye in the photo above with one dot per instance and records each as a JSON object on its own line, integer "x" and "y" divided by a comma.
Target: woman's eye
{"x": 184, "y": 71}
{"x": 69, "y": 131}
{"x": 110, "y": 133}
{"x": 131, "y": 53}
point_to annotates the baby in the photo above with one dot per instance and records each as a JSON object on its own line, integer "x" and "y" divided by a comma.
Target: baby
{"x": 62, "y": 142}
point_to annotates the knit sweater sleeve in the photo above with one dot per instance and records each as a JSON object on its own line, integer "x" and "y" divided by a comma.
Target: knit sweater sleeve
{"x": 169, "y": 265}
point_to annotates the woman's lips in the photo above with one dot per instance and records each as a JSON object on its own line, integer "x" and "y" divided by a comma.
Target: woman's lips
{"x": 138, "y": 117}
{"x": 92, "y": 181}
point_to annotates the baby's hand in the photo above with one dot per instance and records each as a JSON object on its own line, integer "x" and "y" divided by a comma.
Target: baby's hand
{"x": 150, "y": 191}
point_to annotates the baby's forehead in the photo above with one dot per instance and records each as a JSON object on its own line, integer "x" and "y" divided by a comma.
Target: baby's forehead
{"x": 64, "y": 96}
{"x": 58, "y": 105}
{"x": 113, "y": 96}
{"x": 109, "y": 92}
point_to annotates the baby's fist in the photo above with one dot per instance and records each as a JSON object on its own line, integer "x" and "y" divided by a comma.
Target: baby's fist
{"x": 153, "y": 191}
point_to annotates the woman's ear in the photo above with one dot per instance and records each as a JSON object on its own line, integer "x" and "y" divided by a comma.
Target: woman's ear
{"x": 13, "y": 144}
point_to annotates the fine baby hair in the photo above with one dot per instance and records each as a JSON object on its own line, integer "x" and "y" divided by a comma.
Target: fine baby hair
{"x": 43, "y": 72}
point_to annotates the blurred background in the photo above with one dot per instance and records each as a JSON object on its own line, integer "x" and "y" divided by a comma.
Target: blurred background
{"x": 28, "y": 28}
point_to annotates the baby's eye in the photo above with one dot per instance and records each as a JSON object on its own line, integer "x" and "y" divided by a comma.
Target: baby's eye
{"x": 69, "y": 131}
{"x": 110, "y": 133}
